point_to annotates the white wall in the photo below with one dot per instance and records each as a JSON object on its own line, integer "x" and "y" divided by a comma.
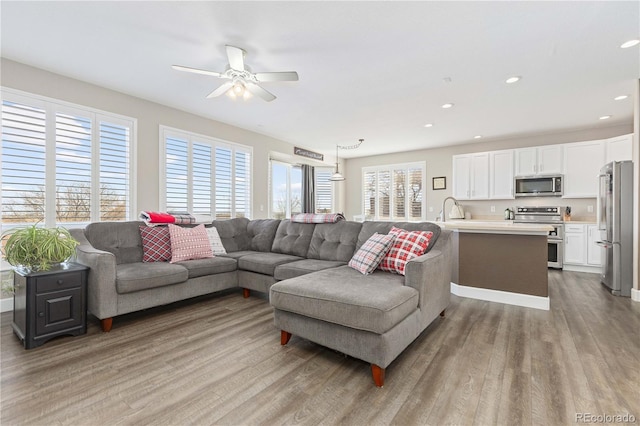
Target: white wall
{"x": 150, "y": 116}
{"x": 439, "y": 163}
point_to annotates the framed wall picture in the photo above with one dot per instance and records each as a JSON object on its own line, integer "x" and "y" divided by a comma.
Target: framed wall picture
{"x": 439, "y": 183}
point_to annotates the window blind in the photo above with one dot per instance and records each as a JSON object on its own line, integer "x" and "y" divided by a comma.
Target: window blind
{"x": 323, "y": 190}
{"x": 394, "y": 192}
{"x": 115, "y": 163}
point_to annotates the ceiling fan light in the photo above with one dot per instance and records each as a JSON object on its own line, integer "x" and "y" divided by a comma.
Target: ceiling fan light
{"x": 238, "y": 88}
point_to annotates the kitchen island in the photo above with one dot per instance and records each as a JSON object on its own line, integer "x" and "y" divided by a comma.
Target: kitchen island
{"x": 501, "y": 261}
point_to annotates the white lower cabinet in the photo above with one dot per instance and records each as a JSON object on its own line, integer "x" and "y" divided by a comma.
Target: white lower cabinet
{"x": 581, "y": 253}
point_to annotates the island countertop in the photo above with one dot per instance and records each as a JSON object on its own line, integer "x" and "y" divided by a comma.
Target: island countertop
{"x": 496, "y": 227}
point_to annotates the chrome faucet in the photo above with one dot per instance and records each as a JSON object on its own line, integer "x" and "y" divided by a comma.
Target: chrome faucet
{"x": 442, "y": 214}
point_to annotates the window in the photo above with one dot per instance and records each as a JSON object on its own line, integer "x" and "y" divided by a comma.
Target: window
{"x": 323, "y": 190}
{"x": 206, "y": 176}
{"x": 394, "y": 192}
{"x": 286, "y": 190}
{"x": 64, "y": 164}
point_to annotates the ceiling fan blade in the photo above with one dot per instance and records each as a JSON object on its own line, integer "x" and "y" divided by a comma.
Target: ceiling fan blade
{"x": 195, "y": 70}
{"x": 220, "y": 90}
{"x": 260, "y": 92}
{"x": 277, "y": 76}
{"x": 236, "y": 57}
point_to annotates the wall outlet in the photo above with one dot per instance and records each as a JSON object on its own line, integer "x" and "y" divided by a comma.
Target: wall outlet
{"x": 261, "y": 207}
{"x": 590, "y": 208}
{"x": 430, "y": 209}
{"x": 493, "y": 209}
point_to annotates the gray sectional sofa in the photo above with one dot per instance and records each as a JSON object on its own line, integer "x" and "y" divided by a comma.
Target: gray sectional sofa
{"x": 303, "y": 267}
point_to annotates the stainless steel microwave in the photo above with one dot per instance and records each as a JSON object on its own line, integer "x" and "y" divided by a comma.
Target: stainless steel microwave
{"x": 538, "y": 186}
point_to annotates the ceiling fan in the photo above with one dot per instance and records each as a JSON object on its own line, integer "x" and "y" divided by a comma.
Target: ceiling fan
{"x": 241, "y": 79}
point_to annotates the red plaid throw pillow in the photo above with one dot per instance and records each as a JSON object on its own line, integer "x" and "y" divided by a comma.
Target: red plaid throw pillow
{"x": 156, "y": 243}
{"x": 367, "y": 259}
{"x": 407, "y": 245}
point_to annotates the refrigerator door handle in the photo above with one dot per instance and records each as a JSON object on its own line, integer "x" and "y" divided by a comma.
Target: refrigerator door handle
{"x": 606, "y": 244}
{"x": 599, "y": 205}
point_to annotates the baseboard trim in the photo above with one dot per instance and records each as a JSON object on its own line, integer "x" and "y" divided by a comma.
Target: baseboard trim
{"x": 582, "y": 268}
{"x": 635, "y": 295}
{"x": 508, "y": 298}
{"x": 6, "y": 305}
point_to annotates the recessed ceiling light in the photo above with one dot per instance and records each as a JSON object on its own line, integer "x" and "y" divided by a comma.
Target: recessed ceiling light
{"x": 629, "y": 43}
{"x": 621, "y": 97}
{"x": 447, "y": 105}
{"x": 428, "y": 125}
{"x": 477, "y": 137}
{"x": 605, "y": 117}
{"x": 513, "y": 79}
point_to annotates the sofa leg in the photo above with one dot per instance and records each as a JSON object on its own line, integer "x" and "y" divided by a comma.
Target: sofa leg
{"x": 106, "y": 324}
{"x": 284, "y": 337}
{"x": 378, "y": 375}
{"x": 442, "y": 313}
{"x": 246, "y": 293}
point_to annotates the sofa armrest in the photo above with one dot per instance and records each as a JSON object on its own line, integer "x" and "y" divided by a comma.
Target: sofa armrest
{"x": 101, "y": 281}
{"x": 430, "y": 274}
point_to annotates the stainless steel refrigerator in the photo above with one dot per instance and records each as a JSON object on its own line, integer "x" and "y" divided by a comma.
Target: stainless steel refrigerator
{"x": 615, "y": 222}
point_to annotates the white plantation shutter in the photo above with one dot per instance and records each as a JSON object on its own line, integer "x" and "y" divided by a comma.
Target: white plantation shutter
{"x": 23, "y": 163}
{"x": 202, "y": 163}
{"x": 394, "y": 192}
{"x": 224, "y": 183}
{"x": 323, "y": 190}
{"x": 176, "y": 176}
{"x": 205, "y": 176}
{"x": 369, "y": 196}
{"x": 115, "y": 163}
{"x": 63, "y": 163}
{"x": 73, "y": 168}
{"x": 243, "y": 184}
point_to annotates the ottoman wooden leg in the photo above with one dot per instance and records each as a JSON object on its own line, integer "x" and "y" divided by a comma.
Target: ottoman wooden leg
{"x": 378, "y": 375}
{"x": 284, "y": 337}
{"x": 246, "y": 293}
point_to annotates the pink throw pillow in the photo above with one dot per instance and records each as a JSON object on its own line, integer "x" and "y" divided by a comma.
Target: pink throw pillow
{"x": 189, "y": 243}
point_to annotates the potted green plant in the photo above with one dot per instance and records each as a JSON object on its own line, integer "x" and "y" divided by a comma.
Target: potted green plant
{"x": 36, "y": 248}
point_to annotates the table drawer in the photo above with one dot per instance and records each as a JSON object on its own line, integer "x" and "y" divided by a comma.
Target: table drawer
{"x": 58, "y": 282}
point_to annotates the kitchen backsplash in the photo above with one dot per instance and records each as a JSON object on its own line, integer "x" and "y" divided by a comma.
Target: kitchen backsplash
{"x": 582, "y": 209}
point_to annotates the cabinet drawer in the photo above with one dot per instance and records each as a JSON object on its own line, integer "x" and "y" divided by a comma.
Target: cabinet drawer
{"x": 573, "y": 228}
{"x": 58, "y": 282}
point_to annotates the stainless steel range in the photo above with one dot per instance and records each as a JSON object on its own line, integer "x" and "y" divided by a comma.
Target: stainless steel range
{"x": 551, "y": 216}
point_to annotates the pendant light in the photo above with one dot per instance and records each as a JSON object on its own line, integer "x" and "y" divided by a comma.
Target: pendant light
{"x": 337, "y": 176}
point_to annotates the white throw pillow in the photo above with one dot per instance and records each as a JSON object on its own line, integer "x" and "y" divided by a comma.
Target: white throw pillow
{"x": 216, "y": 242}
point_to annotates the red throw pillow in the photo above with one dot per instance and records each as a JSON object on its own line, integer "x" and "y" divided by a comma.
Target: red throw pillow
{"x": 189, "y": 243}
{"x": 156, "y": 243}
{"x": 407, "y": 245}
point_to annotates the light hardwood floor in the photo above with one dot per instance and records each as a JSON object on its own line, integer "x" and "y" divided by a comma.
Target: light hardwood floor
{"x": 218, "y": 360}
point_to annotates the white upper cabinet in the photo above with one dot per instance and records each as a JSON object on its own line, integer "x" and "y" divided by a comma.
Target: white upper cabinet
{"x": 471, "y": 176}
{"x": 582, "y": 163}
{"x": 542, "y": 160}
{"x": 501, "y": 174}
{"x": 619, "y": 148}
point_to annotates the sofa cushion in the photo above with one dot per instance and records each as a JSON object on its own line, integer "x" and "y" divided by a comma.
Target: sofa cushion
{"x": 264, "y": 263}
{"x": 367, "y": 259}
{"x": 293, "y": 238}
{"x": 138, "y": 276}
{"x": 242, "y": 234}
{"x": 370, "y": 228}
{"x": 238, "y": 254}
{"x": 302, "y": 267}
{"x": 343, "y": 296}
{"x": 233, "y": 233}
{"x": 334, "y": 241}
{"x": 210, "y": 266}
{"x": 120, "y": 238}
{"x": 189, "y": 243}
{"x": 156, "y": 243}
